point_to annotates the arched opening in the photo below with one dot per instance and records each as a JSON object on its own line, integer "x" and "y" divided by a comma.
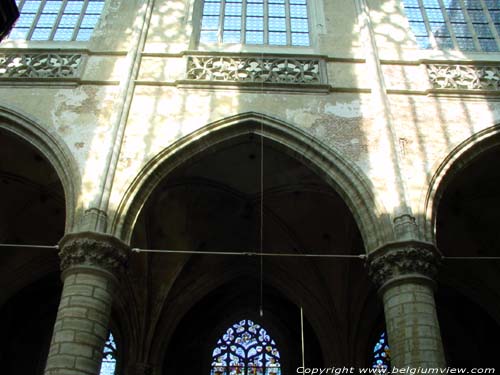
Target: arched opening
{"x": 32, "y": 212}
{"x": 468, "y": 298}
{"x": 212, "y": 202}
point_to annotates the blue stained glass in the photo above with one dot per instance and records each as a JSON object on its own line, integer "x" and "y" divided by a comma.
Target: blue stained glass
{"x": 25, "y": 21}
{"x": 231, "y": 37}
{"x": 255, "y": 23}
{"x": 299, "y": 25}
{"x": 414, "y": 14}
{"x": 298, "y": 2}
{"x": 461, "y": 29}
{"x": 473, "y": 4}
{"x": 298, "y": 11}
{"x": 411, "y": 3}
{"x": 431, "y": 3}
{"x": 277, "y": 24}
{"x": 483, "y": 31}
{"x": 52, "y": 6}
{"x": 418, "y": 28}
{"x": 68, "y": 20}
{"x": 466, "y": 44}
{"x": 444, "y": 42}
{"x": 435, "y": 15}
{"x": 277, "y": 39}
{"x": 41, "y": 34}
{"x": 31, "y": 6}
{"x": 233, "y": 9}
{"x": 255, "y": 10}
{"x": 47, "y": 20}
{"x": 84, "y": 34}
{"x": 89, "y": 20}
{"x": 488, "y": 45}
{"x": 210, "y": 23}
{"x": 232, "y": 23}
{"x": 276, "y": 10}
{"x": 19, "y": 33}
{"x": 477, "y": 16}
{"x": 73, "y": 7}
{"x": 211, "y": 9}
{"x": 244, "y": 354}
{"x": 381, "y": 359}
{"x": 492, "y": 4}
{"x": 254, "y": 37}
{"x": 423, "y": 42}
{"x": 108, "y": 363}
{"x": 456, "y": 16}
{"x": 94, "y": 8}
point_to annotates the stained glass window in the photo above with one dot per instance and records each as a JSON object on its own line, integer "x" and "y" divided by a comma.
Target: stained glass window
{"x": 381, "y": 354}
{"x": 467, "y": 25}
{"x": 272, "y": 22}
{"x": 58, "y": 20}
{"x": 246, "y": 349}
{"x": 108, "y": 364}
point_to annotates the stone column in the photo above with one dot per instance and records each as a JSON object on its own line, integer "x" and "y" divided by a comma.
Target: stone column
{"x": 90, "y": 263}
{"x": 404, "y": 273}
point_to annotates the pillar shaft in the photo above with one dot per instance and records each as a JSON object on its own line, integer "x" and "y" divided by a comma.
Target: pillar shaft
{"x": 404, "y": 273}
{"x": 89, "y": 263}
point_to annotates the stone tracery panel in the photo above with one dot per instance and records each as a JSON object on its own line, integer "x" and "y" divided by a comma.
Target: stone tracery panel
{"x": 265, "y": 70}
{"x": 40, "y": 65}
{"x": 464, "y": 77}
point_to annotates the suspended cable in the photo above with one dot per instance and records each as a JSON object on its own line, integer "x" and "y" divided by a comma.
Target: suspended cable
{"x": 51, "y": 247}
{"x": 251, "y": 253}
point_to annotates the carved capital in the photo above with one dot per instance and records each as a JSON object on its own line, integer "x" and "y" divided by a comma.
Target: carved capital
{"x": 403, "y": 259}
{"x": 94, "y": 250}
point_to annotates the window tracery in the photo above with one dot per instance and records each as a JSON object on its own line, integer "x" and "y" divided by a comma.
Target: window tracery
{"x": 246, "y": 349}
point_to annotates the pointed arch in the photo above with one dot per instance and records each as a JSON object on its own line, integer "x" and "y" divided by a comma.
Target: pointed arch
{"x": 343, "y": 176}
{"x": 52, "y": 148}
{"x": 458, "y": 159}
{"x": 246, "y": 348}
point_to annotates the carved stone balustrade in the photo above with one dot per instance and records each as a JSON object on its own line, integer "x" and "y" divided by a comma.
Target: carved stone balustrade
{"x": 464, "y": 77}
{"x": 44, "y": 66}
{"x": 257, "y": 71}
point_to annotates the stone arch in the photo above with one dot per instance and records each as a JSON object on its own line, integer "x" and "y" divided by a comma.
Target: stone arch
{"x": 459, "y": 158}
{"x": 52, "y": 148}
{"x": 343, "y": 176}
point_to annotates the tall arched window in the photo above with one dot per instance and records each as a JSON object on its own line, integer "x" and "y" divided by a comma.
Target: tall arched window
{"x": 57, "y": 20}
{"x": 108, "y": 364}
{"x": 271, "y": 22}
{"x": 381, "y": 354}
{"x": 246, "y": 349}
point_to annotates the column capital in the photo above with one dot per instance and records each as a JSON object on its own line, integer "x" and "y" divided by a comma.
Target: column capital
{"x": 402, "y": 260}
{"x": 92, "y": 250}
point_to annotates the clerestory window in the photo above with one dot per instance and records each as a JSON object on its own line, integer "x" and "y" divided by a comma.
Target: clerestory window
{"x": 381, "y": 360}
{"x": 109, "y": 357}
{"x": 467, "y": 25}
{"x": 246, "y": 349}
{"x": 258, "y": 22}
{"x": 57, "y": 20}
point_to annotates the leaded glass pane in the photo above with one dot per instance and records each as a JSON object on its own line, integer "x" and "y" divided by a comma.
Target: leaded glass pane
{"x": 232, "y": 37}
{"x": 274, "y": 22}
{"x": 109, "y": 356}
{"x": 255, "y": 37}
{"x": 255, "y": 23}
{"x": 469, "y": 22}
{"x": 300, "y": 39}
{"x": 56, "y": 19}
{"x": 381, "y": 355}
{"x": 246, "y": 348}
